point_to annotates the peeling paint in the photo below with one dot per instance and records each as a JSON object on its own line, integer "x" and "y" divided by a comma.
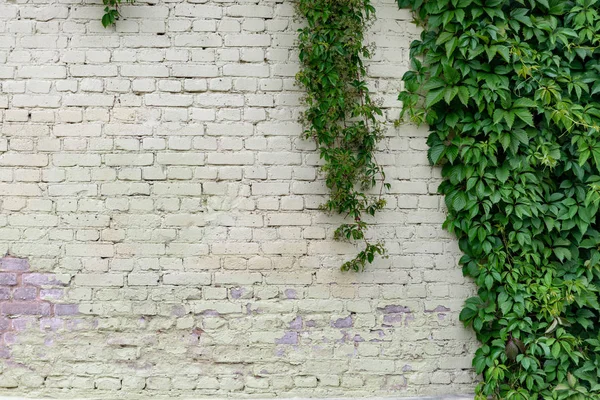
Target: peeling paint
{"x": 288, "y": 338}
{"x": 343, "y": 322}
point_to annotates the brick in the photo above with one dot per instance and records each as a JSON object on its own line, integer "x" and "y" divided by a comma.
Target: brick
{"x": 20, "y": 189}
{"x": 25, "y": 308}
{"x": 25, "y": 294}
{"x": 49, "y": 72}
{"x": 198, "y": 40}
{"x": 40, "y": 279}
{"x": 128, "y": 159}
{"x": 99, "y": 280}
{"x": 77, "y": 130}
{"x": 13, "y": 264}
{"x": 187, "y": 278}
{"x": 89, "y": 100}
{"x": 177, "y": 189}
{"x": 143, "y": 279}
{"x": 90, "y": 250}
{"x": 238, "y": 278}
{"x": 8, "y": 279}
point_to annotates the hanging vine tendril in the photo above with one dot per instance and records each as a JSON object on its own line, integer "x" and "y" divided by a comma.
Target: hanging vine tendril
{"x": 341, "y": 115}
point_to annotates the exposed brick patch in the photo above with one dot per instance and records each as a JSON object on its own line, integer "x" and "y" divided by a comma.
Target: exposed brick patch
{"x": 25, "y": 300}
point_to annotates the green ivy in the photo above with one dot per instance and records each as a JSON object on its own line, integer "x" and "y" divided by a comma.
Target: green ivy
{"x": 341, "y": 116}
{"x": 111, "y": 11}
{"x": 511, "y": 92}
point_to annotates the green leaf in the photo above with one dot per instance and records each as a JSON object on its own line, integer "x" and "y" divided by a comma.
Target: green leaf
{"x": 436, "y": 153}
{"x": 524, "y": 102}
{"x": 562, "y": 253}
{"x": 433, "y": 97}
{"x": 106, "y": 20}
{"x": 521, "y": 135}
{"x": 502, "y": 174}
{"x": 467, "y": 314}
{"x": 460, "y": 201}
{"x": 524, "y": 115}
{"x": 596, "y": 87}
{"x": 463, "y": 95}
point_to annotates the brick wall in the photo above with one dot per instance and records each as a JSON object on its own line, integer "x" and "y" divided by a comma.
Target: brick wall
{"x": 160, "y": 213}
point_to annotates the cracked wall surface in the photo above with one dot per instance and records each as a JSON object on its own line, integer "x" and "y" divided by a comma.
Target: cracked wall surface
{"x": 159, "y": 215}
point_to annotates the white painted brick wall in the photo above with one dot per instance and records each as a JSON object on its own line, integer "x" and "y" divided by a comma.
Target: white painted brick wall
{"x": 157, "y": 169}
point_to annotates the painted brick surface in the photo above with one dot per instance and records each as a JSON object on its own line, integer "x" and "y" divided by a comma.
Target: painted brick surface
{"x": 160, "y": 214}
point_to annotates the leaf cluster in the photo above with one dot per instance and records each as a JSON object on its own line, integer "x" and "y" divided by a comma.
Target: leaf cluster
{"x": 511, "y": 92}
{"x": 341, "y": 116}
{"x": 111, "y": 11}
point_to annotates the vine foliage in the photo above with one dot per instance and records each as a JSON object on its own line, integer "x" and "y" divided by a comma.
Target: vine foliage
{"x": 341, "y": 116}
{"x": 111, "y": 11}
{"x": 511, "y": 92}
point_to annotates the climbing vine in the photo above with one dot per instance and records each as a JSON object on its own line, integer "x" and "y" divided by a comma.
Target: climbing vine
{"x": 341, "y": 116}
{"x": 111, "y": 11}
{"x": 511, "y": 92}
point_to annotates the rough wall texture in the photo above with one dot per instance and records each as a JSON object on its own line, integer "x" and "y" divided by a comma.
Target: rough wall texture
{"x": 159, "y": 210}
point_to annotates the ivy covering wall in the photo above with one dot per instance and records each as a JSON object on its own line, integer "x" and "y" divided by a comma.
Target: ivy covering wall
{"x": 511, "y": 92}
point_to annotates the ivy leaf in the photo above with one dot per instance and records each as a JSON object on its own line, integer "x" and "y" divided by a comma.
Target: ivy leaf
{"x": 561, "y": 253}
{"x": 524, "y": 115}
{"x": 524, "y": 102}
{"x": 106, "y": 20}
{"x": 463, "y": 95}
{"x": 509, "y": 117}
{"x": 467, "y": 314}
{"x": 433, "y": 97}
{"x": 444, "y": 37}
{"x": 498, "y": 115}
{"x": 502, "y": 174}
{"x": 436, "y": 152}
{"x": 460, "y": 201}
{"x": 596, "y": 87}
{"x": 521, "y": 135}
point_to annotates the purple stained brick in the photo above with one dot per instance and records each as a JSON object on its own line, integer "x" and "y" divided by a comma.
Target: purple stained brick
{"x": 52, "y": 324}
{"x": 36, "y": 279}
{"x": 66, "y": 309}
{"x": 9, "y": 338}
{"x": 22, "y": 323}
{"x": 394, "y": 309}
{"x": 14, "y": 264}
{"x": 291, "y": 294}
{"x": 4, "y": 324}
{"x": 26, "y": 308}
{"x": 236, "y": 293}
{"x": 26, "y": 293}
{"x": 288, "y": 338}
{"x": 392, "y": 319}
{"x": 438, "y": 309}
{"x": 8, "y": 279}
{"x": 51, "y": 294}
{"x": 4, "y": 353}
{"x": 343, "y": 322}
{"x": 178, "y": 310}
{"x": 296, "y": 323}
{"x": 4, "y": 293}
